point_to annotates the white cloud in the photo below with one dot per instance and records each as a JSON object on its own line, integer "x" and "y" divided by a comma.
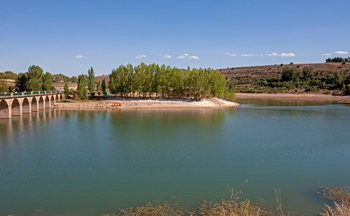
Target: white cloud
{"x": 272, "y": 54}
{"x": 248, "y": 55}
{"x": 341, "y": 52}
{"x": 186, "y": 56}
{"x": 326, "y": 54}
{"x": 287, "y": 54}
{"x": 233, "y": 55}
{"x": 165, "y": 56}
{"x": 80, "y": 57}
{"x": 140, "y": 56}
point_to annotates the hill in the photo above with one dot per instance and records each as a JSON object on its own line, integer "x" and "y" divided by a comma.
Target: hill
{"x": 268, "y": 78}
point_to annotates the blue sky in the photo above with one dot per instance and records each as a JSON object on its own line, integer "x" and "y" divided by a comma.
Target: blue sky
{"x": 71, "y": 36}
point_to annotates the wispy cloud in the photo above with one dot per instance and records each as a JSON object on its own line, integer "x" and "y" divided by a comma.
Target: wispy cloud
{"x": 249, "y": 55}
{"x": 272, "y": 54}
{"x": 80, "y": 57}
{"x": 287, "y": 54}
{"x": 341, "y": 52}
{"x": 140, "y": 56}
{"x": 165, "y": 56}
{"x": 186, "y": 56}
{"x": 326, "y": 54}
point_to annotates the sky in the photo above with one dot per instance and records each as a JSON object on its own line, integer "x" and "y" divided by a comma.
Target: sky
{"x": 69, "y": 37}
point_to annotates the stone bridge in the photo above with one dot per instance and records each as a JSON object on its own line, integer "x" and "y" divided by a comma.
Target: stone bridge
{"x": 20, "y": 103}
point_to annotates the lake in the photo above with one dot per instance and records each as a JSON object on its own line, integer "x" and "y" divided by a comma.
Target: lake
{"x": 60, "y": 162}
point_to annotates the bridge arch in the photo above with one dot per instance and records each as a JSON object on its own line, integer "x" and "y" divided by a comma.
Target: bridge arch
{"x": 41, "y": 103}
{"x": 48, "y": 101}
{"x": 53, "y": 100}
{"x": 26, "y": 105}
{"x": 16, "y": 107}
{"x": 35, "y": 104}
{"x": 5, "y": 110}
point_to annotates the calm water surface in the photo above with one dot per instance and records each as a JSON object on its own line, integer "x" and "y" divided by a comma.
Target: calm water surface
{"x": 94, "y": 162}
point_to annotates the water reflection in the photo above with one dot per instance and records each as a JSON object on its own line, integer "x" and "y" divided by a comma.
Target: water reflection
{"x": 93, "y": 162}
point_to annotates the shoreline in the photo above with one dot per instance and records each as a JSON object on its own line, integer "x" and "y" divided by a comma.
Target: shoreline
{"x": 296, "y": 97}
{"x": 135, "y": 103}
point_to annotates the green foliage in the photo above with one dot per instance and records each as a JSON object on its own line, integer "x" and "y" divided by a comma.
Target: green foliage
{"x": 336, "y": 59}
{"x": 35, "y": 74}
{"x": 21, "y": 82}
{"x": 81, "y": 90}
{"x": 8, "y": 75}
{"x": 98, "y": 86}
{"x": 66, "y": 90}
{"x": 308, "y": 73}
{"x": 74, "y": 79}
{"x": 103, "y": 86}
{"x": 290, "y": 74}
{"x": 150, "y": 79}
{"x": 3, "y": 86}
{"x": 91, "y": 80}
{"x": 47, "y": 82}
{"x": 60, "y": 77}
{"x": 347, "y": 89}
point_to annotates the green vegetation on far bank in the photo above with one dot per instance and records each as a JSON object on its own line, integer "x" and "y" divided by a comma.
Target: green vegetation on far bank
{"x": 328, "y": 78}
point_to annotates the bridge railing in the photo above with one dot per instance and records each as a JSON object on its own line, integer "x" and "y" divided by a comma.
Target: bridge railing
{"x": 9, "y": 94}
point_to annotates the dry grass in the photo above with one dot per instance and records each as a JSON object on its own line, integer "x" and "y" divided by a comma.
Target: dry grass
{"x": 224, "y": 208}
{"x": 340, "y": 210}
{"x": 341, "y": 198}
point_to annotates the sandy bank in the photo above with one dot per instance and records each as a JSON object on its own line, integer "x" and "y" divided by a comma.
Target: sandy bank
{"x": 314, "y": 97}
{"x": 146, "y": 104}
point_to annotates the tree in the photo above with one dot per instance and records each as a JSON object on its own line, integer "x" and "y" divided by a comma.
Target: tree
{"x": 21, "y": 82}
{"x": 290, "y": 74}
{"x": 35, "y": 75}
{"x": 103, "y": 86}
{"x": 308, "y": 73}
{"x": 81, "y": 90}
{"x": 98, "y": 86}
{"x": 47, "y": 82}
{"x": 66, "y": 90}
{"x": 3, "y": 85}
{"x": 91, "y": 80}
{"x": 74, "y": 79}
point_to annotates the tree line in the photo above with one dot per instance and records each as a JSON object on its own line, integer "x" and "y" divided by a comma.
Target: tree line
{"x": 337, "y": 59}
{"x": 292, "y": 78}
{"x": 147, "y": 80}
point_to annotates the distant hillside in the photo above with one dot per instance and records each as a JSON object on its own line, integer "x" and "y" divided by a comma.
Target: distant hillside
{"x": 327, "y": 78}
{"x": 255, "y": 73}
{"x": 100, "y": 78}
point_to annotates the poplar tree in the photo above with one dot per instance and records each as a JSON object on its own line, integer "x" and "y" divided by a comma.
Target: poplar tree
{"x": 81, "y": 90}
{"x": 91, "y": 80}
{"x": 66, "y": 90}
{"x": 47, "y": 82}
{"x": 103, "y": 86}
